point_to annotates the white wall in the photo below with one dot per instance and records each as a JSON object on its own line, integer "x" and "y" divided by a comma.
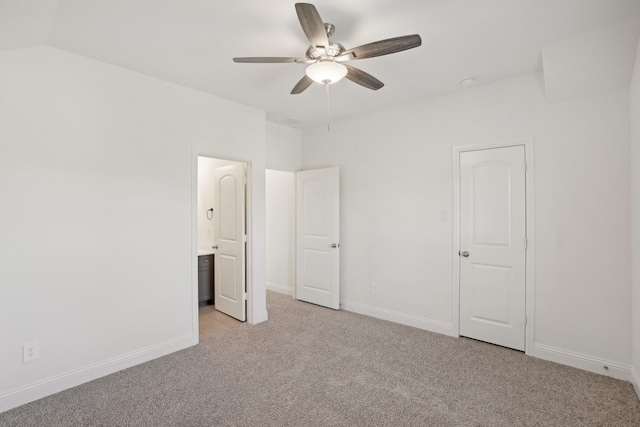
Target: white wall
{"x": 396, "y": 178}
{"x": 635, "y": 214}
{"x": 97, "y": 230}
{"x": 281, "y": 229}
{"x": 284, "y": 148}
{"x": 592, "y": 63}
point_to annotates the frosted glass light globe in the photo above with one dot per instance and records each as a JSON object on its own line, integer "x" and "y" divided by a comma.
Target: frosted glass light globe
{"x": 326, "y": 71}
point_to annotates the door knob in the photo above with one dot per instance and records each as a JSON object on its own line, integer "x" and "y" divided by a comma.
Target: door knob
{"x": 335, "y": 245}
{"x": 214, "y": 247}
{"x": 465, "y": 254}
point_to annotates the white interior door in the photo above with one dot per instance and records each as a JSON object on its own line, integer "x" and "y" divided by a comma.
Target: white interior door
{"x": 230, "y": 237}
{"x": 317, "y": 237}
{"x": 492, "y": 245}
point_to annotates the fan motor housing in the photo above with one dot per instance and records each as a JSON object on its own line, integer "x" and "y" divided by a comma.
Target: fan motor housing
{"x": 333, "y": 50}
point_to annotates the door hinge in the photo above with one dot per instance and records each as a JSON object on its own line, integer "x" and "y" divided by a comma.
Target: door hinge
{"x": 525, "y": 243}
{"x": 525, "y": 167}
{"x": 525, "y": 320}
{"x": 244, "y": 238}
{"x": 244, "y": 296}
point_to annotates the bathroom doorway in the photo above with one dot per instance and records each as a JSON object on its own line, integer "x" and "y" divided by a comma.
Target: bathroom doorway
{"x": 221, "y": 243}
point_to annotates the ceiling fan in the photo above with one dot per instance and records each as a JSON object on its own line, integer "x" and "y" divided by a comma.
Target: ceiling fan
{"x": 327, "y": 59}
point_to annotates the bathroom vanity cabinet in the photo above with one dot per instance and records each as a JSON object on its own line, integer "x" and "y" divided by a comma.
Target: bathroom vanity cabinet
{"x": 205, "y": 280}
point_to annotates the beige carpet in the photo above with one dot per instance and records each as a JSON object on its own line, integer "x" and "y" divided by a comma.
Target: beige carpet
{"x": 311, "y": 366}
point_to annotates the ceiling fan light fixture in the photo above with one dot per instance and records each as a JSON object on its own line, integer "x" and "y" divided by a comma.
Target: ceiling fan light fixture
{"x": 326, "y": 71}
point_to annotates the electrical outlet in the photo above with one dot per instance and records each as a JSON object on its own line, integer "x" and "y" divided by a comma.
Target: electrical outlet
{"x": 30, "y": 351}
{"x": 374, "y": 288}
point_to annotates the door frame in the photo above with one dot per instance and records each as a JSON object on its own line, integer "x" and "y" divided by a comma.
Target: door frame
{"x": 194, "y": 236}
{"x": 528, "y": 144}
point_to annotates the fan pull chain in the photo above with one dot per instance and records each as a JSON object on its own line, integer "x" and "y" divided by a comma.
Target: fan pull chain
{"x": 326, "y": 85}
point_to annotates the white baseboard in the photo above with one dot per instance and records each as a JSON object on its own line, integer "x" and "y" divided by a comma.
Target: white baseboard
{"x": 583, "y": 361}
{"x": 635, "y": 380}
{"x": 58, "y": 383}
{"x": 276, "y": 287}
{"x": 397, "y": 317}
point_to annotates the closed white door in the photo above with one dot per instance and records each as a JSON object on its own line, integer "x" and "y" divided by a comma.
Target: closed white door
{"x": 492, "y": 246}
{"x": 229, "y": 265}
{"x": 317, "y": 237}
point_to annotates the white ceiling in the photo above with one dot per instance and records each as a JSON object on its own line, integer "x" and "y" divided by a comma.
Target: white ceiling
{"x": 192, "y": 43}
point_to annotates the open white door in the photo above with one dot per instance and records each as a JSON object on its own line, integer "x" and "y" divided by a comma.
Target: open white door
{"x": 317, "y": 237}
{"x": 229, "y": 283}
{"x": 492, "y": 245}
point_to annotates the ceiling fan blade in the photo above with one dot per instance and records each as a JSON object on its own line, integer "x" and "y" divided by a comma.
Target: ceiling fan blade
{"x": 363, "y": 79}
{"x": 312, "y": 24}
{"x": 269, "y": 60}
{"x": 303, "y": 84}
{"x": 382, "y": 47}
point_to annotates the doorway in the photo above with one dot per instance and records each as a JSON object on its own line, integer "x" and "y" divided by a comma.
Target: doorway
{"x": 280, "y": 213}
{"x": 221, "y": 242}
{"x": 493, "y": 235}
{"x": 303, "y": 230}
